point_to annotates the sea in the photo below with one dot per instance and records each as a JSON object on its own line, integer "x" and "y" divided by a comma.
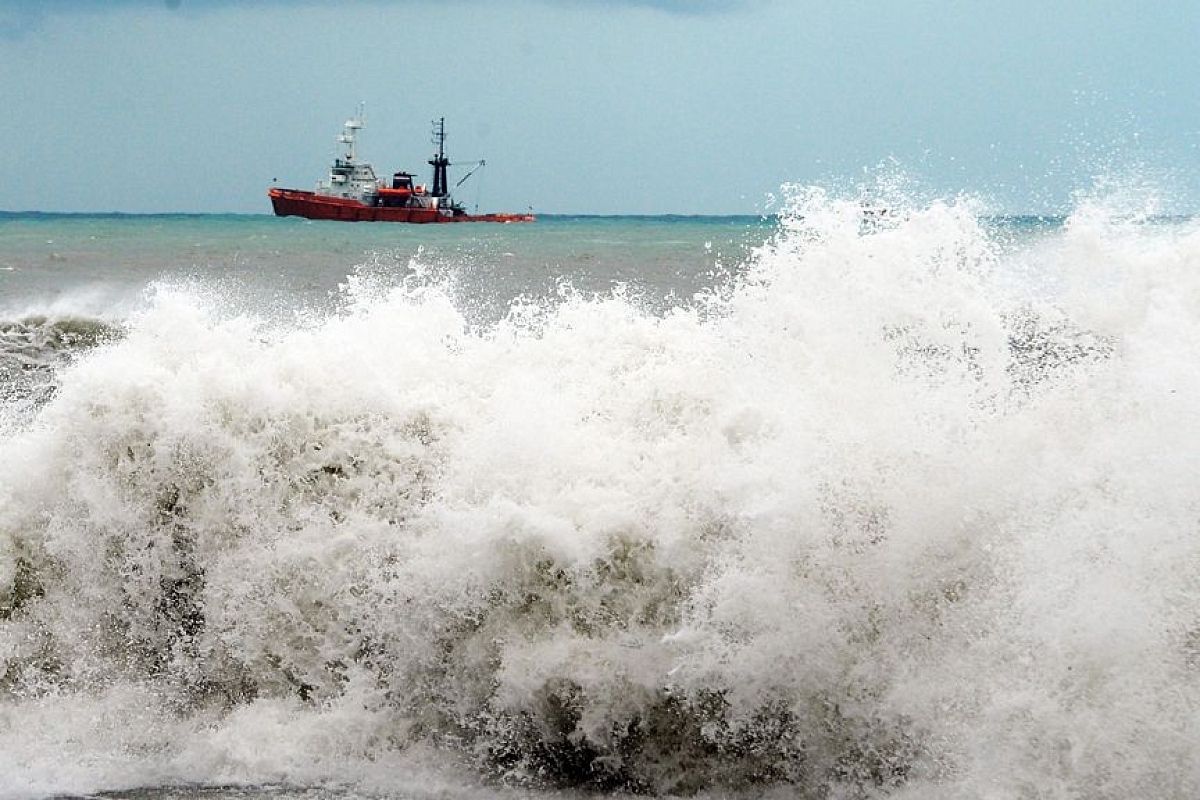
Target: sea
{"x": 857, "y": 500}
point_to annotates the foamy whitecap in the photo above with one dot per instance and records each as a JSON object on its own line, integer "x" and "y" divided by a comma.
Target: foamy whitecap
{"x": 876, "y": 518}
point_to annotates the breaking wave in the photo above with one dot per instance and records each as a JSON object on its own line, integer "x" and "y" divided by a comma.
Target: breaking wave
{"x": 906, "y": 510}
{"x": 33, "y": 347}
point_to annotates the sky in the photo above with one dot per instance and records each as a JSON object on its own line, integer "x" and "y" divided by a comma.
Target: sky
{"x": 598, "y": 106}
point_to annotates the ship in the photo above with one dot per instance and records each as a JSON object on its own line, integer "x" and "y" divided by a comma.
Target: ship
{"x": 353, "y": 193}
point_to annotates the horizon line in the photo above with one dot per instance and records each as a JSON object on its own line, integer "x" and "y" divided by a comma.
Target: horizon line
{"x": 1045, "y": 215}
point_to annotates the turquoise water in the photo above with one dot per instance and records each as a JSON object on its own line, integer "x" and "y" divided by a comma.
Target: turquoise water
{"x": 43, "y": 257}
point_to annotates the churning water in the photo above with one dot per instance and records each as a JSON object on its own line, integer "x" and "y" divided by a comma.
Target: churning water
{"x": 900, "y": 506}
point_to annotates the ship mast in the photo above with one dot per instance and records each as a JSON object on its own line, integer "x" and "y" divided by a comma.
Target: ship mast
{"x": 439, "y": 162}
{"x": 349, "y": 134}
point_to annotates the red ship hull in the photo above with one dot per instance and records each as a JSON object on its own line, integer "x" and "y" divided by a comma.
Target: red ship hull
{"x": 310, "y": 205}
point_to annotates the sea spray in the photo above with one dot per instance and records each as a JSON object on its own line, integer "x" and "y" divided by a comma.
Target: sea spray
{"x": 879, "y": 517}
{"x": 32, "y": 348}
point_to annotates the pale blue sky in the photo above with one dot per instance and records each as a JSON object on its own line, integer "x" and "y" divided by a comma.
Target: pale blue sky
{"x": 593, "y": 106}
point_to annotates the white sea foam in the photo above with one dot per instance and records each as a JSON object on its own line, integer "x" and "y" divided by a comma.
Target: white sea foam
{"x": 902, "y": 512}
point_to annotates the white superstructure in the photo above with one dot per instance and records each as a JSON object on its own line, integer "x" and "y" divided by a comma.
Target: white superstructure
{"x": 349, "y": 176}
{"x": 354, "y": 178}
